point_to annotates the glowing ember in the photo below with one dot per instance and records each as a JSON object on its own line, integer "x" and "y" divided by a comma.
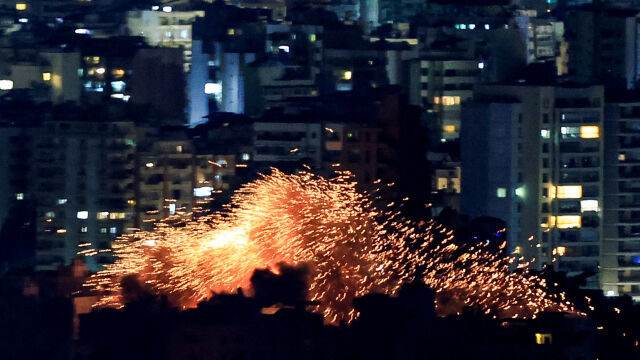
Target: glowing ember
{"x": 350, "y": 247}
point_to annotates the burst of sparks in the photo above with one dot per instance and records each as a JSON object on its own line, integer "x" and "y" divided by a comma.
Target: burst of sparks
{"x": 350, "y": 247}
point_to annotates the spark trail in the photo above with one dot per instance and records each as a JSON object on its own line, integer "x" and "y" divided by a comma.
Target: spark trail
{"x": 351, "y": 248}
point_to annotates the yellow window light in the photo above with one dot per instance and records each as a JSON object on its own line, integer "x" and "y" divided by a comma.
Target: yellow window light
{"x": 450, "y": 100}
{"x": 46, "y": 76}
{"x": 589, "y": 132}
{"x": 436, "y": 100}
{"x": 449, "y": 128}
{"x": 560, "y": 251}
{"x": 568, "y": 221}
{"x": 543, "y": 339}
{"x": 569, "y": 192}
{"x": 21, "y": 6}
{"x": 347, "y": 75}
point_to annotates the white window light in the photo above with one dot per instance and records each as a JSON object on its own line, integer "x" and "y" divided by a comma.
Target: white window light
{"x": 481, "y": 65}
{"x": 588, "y": 205}
{"x": 611, "y": 293}
{"x": 520, "y": 191}
{"x": 155, "y": 8}
{"x": 284, "y": 48}
{"x": 172, "y": 209}
{"x": 62, "y": 201}
{"x": 82, "y": 214}
{"x": 212, "y": 88}
{"x": 113, "y": 230}
{"x": 20, "y": 196}
{"x": 84, "y": 229}
{"x": 204, "y": 191}
{"x": 149, "y": 164}
{"x": 472, "y": 26}
{"x": 167, "y": 9}
{"x": 83, "y": 31}
{"x": 23, "y": 20}
{"x": 501, "y": 192}
{"x": 50, "y": 214}
{"x": 544, "y": 133}
{"x": 6, "y": 84}
{"x": 246, "y": 157}
{"x": 100, "y": 71}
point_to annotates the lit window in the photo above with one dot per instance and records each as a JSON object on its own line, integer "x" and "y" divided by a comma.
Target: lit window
{"x": 172, "y": 209}
{"x": 545, "y": 133}
{"x": 622, "y": 157}
{"x": 569, "y": 192}
{"x": 167, "y": 34}
{"x": 312, "y": 37}
{"x": 442, "y": 183}
{"x": 113, "y": 230}
{"x": 6, "y": 84}
{"x": 449, "y": 128}
{"x": 231, "y": 32}
{"x": 560, "y": 251}
{"x": 450, "y": 100}
{"x": 82, "y": 214}
{"x": 436, "y": 100}
{"x": 61, "y": 231}
{"x": 149, "y": 164}
{"x": 212, "y": 88}
{"x": 20, "y": 196}
{"x": 487, "y": 26}
{"x": 543, "y": 339}
{"x": 347, "y": 75}
{"x": 184, "y": 34}
{"x": 46, "y": 76}
{"x": 62, "y": 201}
{"x": 589, "y": 205}
{"x": 517, "y": 250}
{"x": 568, "y": 221}
{"x": 222, "y": 162}
{"x": 21, "y": 6}
{"x": 246, "y": 157}
{"x": 50, "y": 214}
{"x": 179, "y": 148}
{"x": 103, "y": 230}
{"x": 131, "y": 202}
{"x": 167, "y": 9}
{"x": 84, "y": 229}
{"x": 520, "y": 191}
{"x": 117, "y": 216}
{"x": 463, "y": 26}
{"x": 472, "y": 26}
{"x": 95, "y": 59}
{"x": 501, "y": 192}
{"x": 100, "y": 71}
{"x": 481, "y": 65}
{"x": 284, "y": 48}
{"x": 104, "y": 215}
{"x": 118, "y": 73}
{"x": 202, "y": 191}
{"x": 589, "y": 132}
{"x": 118, "y": 86}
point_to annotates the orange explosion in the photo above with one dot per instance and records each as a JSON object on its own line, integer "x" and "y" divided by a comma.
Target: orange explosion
{"x": 350, "y": 247}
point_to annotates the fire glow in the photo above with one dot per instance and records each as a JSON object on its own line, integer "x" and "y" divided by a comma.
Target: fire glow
{"x": 350, "y": 247}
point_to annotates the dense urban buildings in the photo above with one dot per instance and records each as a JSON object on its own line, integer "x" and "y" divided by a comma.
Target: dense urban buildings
{"x": 502, "y": 120}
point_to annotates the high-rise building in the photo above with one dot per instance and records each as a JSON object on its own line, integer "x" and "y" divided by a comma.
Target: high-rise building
{"x": 83, "y": 187}
{"x": 621, "y": 241}
{"x": 602, "y": 46}
{"x": 443, "y": 86}
{"x": 552, "y": 138}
